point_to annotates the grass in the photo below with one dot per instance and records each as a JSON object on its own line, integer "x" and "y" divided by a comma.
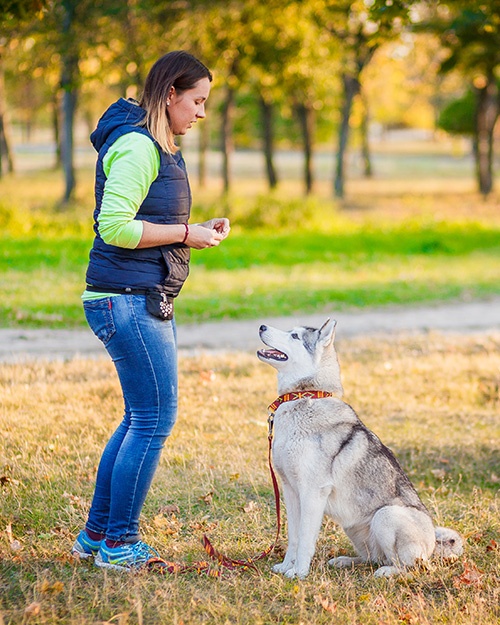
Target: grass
{"x": 285, "y": 253}
{"x": 433, "y": 399}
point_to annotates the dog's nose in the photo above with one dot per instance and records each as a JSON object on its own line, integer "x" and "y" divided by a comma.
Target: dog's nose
{"x": 262, "y": 328}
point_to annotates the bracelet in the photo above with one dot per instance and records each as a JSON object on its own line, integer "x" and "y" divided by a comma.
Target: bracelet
{"x": 186, "y": 234}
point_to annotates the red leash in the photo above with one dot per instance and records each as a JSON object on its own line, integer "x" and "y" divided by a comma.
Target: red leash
{"x": 159, "y": 565}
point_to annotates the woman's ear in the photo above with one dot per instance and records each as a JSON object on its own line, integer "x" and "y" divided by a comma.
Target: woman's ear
{"x": 171, "y": 94}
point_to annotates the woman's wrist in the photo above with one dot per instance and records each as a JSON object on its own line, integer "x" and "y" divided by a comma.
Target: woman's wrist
{"x": 186, "y": 234}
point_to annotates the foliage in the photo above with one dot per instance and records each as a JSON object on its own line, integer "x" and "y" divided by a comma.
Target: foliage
{"x": 458, "y": 116}
{"x": 213, "y": 477}
{"x": 13, "y": 11}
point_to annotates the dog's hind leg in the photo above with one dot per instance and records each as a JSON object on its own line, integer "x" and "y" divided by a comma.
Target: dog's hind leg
{"x": 401, "y": 537}
{"x": 292, "y": 504}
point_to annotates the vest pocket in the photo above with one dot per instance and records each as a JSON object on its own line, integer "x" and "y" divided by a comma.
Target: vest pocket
{"x": 177, "y": 264}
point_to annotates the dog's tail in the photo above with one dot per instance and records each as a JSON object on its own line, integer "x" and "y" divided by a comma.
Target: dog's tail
{"x": 449, "y": 544}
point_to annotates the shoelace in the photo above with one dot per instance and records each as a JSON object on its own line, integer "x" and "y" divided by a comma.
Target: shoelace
{"x": 142, "y": 550}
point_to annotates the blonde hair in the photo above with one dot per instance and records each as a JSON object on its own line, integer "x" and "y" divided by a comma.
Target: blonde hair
{"x": 180, "y": 70}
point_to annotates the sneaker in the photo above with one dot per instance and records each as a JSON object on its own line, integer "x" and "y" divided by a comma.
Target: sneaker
{"x": 85, "y": 547}
{"x": 126, "y": 557}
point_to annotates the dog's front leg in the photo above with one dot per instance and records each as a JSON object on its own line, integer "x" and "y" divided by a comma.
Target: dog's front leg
{"x": 312, "y": 508}
{"x": 292, "y": 504}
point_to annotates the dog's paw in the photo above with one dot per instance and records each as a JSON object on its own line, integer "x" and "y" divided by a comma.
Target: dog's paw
{"x": 388, "y": 571}
{"x": 343, "y": 562}
{"x": 282, "y": 567}
{"x": 294, "y": 572}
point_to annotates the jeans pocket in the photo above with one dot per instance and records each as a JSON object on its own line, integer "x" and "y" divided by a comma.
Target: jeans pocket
{"x": 99, "y": 315}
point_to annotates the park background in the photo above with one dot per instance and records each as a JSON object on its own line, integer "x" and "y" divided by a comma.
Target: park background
{"x": 353, "y": 146}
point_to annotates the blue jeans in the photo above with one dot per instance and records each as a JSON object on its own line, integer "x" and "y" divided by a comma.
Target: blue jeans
{"x": 144, "y": 351}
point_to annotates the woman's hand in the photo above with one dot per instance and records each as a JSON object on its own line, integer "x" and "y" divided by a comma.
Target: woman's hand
{"x": 220, "y": 224}
{"x": 208, "y": 234}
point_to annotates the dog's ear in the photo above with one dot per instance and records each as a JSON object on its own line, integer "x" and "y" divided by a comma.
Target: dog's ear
{"x": 327, "y": 332}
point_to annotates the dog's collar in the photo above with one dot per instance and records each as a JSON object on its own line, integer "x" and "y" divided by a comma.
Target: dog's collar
{"x": 297, "y": 395}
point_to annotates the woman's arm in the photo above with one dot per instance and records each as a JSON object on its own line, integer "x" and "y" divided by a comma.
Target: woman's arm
{"x": 199, "y": 236}
{"x": 131, "y": 165}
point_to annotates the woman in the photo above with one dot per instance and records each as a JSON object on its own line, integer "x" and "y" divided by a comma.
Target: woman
{"x": 138, "y": 264}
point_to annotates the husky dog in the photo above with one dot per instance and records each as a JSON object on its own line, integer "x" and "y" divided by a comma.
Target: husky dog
{"x": 330, "y": 463}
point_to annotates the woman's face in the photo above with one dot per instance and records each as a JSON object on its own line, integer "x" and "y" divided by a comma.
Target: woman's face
{"x": 186, "y": 107}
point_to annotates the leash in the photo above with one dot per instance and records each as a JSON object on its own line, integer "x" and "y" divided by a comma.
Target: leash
{"x": 159, "y": 565}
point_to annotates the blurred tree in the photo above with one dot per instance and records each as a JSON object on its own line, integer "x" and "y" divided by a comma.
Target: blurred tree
{"x": 67, "y": 34}
{"x": 13, "y": 13}
{"x": 472, "y": 39}
{"x": 220, "y": 32}
{"x": 293, "y": 64}
{"x": 469, "y": 32}
{"x": 359, "y": 34}
{"x": 457, "y": 117}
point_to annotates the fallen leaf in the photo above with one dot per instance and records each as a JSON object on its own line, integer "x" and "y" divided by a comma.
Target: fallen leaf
{"x": 471, "y": 576}
{"x": 379, "y": 602}
{"x": 57, "y": 588}
{"x": 207, "y": 498}
{"x": 250, "y": 506}
{"x": 440, "y": 474}
{"x": 169, "y": 509}
{"x": 492, "y": 546}
{"x": 207, "y": 376}
{"x": 326, "y": 604}
{"x": 32, "y": 610}
{"x": 14, "y": 544}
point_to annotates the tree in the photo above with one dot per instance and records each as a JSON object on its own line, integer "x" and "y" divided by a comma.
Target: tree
{"x": 13, "y": 13}
{"x": 292, "y": 64}
{"x": 359, "y": 35}
{"x": 469, "y": 33}
{"x": 472, "y": 39}
{"x": 221, "y": 33}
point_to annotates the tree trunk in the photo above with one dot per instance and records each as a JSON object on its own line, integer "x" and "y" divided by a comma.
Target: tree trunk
{"x": 67, "y": 144}
{"x": 305, "y": 115}
{"x": 5, "y": 140}
{"x": 268, "y": 141}
{"x": 202, "y": 153}
{"x": 365, "y": 141}
{"x": 351, "y": 89}
{"x": 227, "y": 137}
{"x": 69, "y": 81}
{"x": 55, "y": 128}
{"x": 487, "y": 109}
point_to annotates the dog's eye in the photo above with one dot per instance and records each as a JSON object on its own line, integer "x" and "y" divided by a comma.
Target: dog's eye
{"x": 295, "y": 335}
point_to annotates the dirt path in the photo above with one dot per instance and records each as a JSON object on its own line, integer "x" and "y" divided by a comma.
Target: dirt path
{"x": 20, "y": 344}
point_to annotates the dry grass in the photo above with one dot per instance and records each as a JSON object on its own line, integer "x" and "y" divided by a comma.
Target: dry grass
{"x": 433, "y": 399}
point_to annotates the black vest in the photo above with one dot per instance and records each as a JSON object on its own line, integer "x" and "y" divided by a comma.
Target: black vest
{"x": 168, "y": 202}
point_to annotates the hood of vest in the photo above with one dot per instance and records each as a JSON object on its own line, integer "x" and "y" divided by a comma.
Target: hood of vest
{"x": 121, "y": 113}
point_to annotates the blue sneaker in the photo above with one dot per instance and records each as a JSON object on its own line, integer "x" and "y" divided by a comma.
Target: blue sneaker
{"x": 84, "y": 547}
{"x": 126, "y": 557}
